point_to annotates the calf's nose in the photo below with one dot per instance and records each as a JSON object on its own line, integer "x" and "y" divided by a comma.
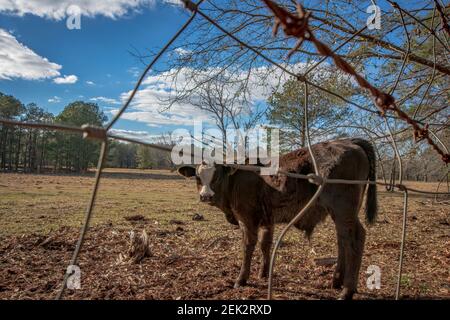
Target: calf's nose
{"x": 205, "y": 197}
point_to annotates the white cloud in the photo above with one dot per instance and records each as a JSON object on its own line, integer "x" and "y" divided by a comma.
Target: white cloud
{"x": 150, "y": 102}
{"x": 66, "y": 79}
{"x": 105, "y": 100}
{"x": 57, "y": 9}
{"x": 134, "y": 71}
{"x": 174, "y": 2}
{"x": 182, "y": 52}
{"x": 18, "y": 61}
{"x": 91, "y": 83}
{"x": 156, "y": 90}
{"x": 55, "y": 99}
{"x": 146, "y": 107}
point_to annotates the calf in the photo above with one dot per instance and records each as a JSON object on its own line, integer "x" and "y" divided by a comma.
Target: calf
{"x": 257, "y": 202}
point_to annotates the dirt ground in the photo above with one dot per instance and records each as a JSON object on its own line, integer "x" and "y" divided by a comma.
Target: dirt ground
{"x": 40, "y": 216}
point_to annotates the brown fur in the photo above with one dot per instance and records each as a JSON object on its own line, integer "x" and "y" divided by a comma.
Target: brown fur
{"x": 257, "y": 202}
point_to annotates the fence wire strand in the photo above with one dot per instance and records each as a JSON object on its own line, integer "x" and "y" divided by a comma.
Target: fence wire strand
{"x": 87, "y": 219}
{"x": 297, "y": 26}
{"x": 402, "y": 245}
{"x": 152, "y": 63}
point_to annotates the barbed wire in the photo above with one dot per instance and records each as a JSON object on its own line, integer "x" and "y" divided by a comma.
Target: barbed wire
{"x": 294, "y": 26}
{"x": 298, "y": 26}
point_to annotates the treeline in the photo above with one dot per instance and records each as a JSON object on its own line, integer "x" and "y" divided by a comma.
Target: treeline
{"x": 124, "y": 155}
{"x": 40, "y": 150}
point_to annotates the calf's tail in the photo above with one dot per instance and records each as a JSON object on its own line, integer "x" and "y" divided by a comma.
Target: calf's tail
{"x": 371, "y": 199}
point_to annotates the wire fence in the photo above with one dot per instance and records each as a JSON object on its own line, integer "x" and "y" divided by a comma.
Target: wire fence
{"x": 296, "y": 25}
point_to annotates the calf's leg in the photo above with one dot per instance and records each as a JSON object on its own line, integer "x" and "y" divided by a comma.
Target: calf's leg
{"x": 249, "y": 239}
{"x": 339, "y": 272}
{"x": 354, "y": 237}
{"x": 265, "y": 239}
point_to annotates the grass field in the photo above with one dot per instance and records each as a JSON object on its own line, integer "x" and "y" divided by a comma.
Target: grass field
{"x": 41, "y": 214}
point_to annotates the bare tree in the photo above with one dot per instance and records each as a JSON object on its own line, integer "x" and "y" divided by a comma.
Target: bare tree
{"x": 407, "y": 57}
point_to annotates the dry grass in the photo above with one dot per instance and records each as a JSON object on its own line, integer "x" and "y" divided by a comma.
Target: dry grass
{"x": 40, "y": 216}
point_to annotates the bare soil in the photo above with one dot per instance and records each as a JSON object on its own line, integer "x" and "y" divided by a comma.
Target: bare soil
{"x": 195, "y": 259}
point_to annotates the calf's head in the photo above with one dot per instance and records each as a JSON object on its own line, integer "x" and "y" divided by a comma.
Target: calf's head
{"x": 210, "y": 180}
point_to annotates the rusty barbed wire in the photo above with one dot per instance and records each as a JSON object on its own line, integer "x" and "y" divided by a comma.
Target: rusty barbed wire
{"x": 298, "y": 26}
{"x": 278, "y": 65}
{"x": 292, "y": 25}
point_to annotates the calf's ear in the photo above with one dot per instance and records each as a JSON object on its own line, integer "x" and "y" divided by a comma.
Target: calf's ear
{"x": 186, "y": 171}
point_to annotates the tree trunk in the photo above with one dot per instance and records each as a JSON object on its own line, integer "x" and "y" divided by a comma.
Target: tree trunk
{"x": 18, "y": 153}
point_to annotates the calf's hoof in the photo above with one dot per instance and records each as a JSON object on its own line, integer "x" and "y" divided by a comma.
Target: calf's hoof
{"x": 240, "y": 283}
{"x": 346, "y": 294}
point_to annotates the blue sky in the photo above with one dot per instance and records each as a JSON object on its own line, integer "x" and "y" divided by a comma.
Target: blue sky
{"x": 42, "y": 61}
{"x": 97, "y": 56}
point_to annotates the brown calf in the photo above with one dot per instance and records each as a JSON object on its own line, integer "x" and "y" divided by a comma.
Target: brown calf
{"x": 257, "y": 202}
